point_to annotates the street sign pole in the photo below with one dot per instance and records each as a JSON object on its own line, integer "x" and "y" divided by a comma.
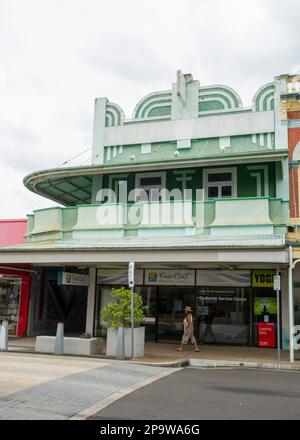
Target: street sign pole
{"x": 131, "y": 285}
{"x": 277, "y": 287}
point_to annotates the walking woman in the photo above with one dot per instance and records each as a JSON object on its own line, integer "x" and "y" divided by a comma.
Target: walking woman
{"x": 188, "y": 326}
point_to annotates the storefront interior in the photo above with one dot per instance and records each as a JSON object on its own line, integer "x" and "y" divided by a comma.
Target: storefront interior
{"x": 228, "y": 307}
{"x": 10, "y": 293}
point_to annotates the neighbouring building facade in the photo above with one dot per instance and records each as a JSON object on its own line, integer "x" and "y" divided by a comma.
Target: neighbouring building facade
{"x": 194, "y": 189}
{"x": 290, "y": 107}
{"x": 14, "y": 282}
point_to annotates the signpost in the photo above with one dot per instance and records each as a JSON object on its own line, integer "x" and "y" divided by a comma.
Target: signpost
{"x": 131, "y": 286}
{"x": 277, "y": 287}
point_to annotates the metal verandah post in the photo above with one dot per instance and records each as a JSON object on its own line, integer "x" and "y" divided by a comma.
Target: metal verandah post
{"x": 132, "y": 322}
{"x": 131, "y": 285}
{"x": 291, "y": 305}
{"x": 278, "y": 319}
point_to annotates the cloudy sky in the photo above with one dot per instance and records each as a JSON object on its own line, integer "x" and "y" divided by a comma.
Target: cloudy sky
{"x": 56, "y": 56}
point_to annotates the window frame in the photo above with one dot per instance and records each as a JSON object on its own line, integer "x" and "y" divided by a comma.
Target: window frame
{"x": 140, "y": 176}
{"x": 219, "y": 184}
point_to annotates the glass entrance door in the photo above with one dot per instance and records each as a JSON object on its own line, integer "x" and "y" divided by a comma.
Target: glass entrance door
{"x": 171, "y": 302}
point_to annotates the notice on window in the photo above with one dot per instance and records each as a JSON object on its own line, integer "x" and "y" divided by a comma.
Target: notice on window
{"x": 266, "y": 335}
{"x": 265, "y": 306}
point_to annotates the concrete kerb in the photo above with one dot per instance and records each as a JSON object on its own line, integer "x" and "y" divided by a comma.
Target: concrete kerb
{"x": 177, "y": 363}
{"x": 180, "y": 363}
{"x": 211, "y": 363}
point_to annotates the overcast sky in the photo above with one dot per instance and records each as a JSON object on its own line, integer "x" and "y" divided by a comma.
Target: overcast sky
{"x": 56, "y": 56}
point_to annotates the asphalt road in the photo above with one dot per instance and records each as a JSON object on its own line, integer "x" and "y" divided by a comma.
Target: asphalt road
{"x": 194, "y": 394}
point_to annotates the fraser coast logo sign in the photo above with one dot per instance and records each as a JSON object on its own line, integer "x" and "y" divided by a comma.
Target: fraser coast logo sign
{"x": 152, "y": 277}
{"x": 170, "y": 277}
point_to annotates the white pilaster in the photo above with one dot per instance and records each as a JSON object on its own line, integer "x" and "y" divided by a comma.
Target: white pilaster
{"x": 98, "y": 133}
{"x": 281, "y": 128}
{"x": 91, "y": 301}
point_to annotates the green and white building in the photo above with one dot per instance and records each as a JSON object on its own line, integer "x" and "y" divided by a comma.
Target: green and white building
{"x": 213, "y": 243}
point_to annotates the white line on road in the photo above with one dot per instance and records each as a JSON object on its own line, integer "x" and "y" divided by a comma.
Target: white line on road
{"x": 99, "y": 406}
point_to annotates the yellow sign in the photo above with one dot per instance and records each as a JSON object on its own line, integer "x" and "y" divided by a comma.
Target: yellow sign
{"x": 262, "y": 278}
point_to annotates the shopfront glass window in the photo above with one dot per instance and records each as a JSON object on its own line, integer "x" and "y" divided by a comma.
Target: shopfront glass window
{"x": 171, "y": 302}
{"x": 223, "y": 315}
{"x": 103, "y": 297}
{"x": 10, "y": 290}
{"x": 149, "y": 295}
{"x": 297, "y": 302}
{"x": 265, "y": 318}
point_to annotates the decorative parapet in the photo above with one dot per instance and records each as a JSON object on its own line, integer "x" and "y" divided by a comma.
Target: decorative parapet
{"x": 224, "y": 217}
{"x": 114, "y": 135}
{"x": 51, "y": 224}
{"x": 114, "y": 115}
{"x": 264, "y": 98}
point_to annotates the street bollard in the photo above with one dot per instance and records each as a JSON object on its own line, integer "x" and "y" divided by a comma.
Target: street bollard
{"x": 59, "y": 340}
{"x": 4, "y": 336}
{"x": 120, "y": 350}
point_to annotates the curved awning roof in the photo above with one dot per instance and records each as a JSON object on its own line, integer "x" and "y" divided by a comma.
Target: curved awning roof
{"x": 71, "y": 186}
{"x": 68, "y": 186}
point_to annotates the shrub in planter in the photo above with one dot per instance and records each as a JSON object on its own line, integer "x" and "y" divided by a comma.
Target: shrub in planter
{"x": 117, "y": 314}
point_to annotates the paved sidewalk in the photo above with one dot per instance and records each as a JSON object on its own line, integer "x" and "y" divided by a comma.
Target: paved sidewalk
{"x": 34, "y": 386}
{"x": 166, "y": 354}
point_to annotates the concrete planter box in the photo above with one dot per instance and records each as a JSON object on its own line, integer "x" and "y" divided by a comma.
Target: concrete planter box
{"x": 139, "y": 342}
{"x": 77, "y": 346}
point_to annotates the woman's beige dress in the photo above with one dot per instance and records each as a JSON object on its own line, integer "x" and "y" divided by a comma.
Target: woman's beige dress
{"x": 188, "y": 330}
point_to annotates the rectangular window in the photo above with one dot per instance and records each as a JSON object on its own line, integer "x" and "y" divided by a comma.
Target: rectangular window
{"x": 220, "y": 177}
{"x": 155, "y": 180}
{"x": 223, "y": 315}
{"x": 150, "y": 185}
{"x": 212, "y": 191}
{"x": 219, "y": 182}
{"x": 226, "y": 191}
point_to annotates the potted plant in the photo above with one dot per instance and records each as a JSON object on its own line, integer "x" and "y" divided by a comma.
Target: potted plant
{"x": 116, "y": 317}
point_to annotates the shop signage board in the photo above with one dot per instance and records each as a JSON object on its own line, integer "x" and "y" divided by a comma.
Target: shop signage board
{"x": 263, "y": 278}
{"x": 170, "y": 277}
{"x": 266, "y": 335}
{"x": 72, "y": 279}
